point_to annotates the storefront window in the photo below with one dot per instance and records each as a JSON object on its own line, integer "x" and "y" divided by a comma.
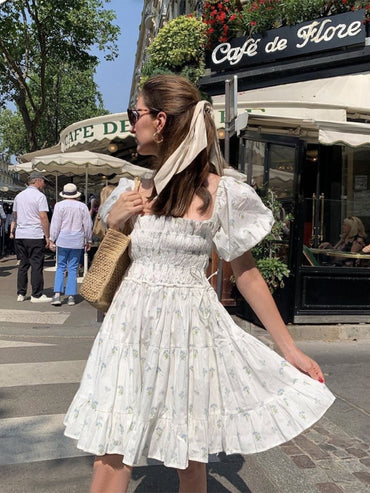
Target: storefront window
{"x": 270, "y": 166}
{"x": 335, "y": 238}
{"x": 281, "y": 170}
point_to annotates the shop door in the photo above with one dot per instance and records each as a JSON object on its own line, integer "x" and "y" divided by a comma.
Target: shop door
{"x": 271, "y": 164}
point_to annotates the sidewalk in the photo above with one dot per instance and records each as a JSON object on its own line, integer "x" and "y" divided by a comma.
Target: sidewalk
{"x": 331, "y": 457}
{"x": 79, "y": 320}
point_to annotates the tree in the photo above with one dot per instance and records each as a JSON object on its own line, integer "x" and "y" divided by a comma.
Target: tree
{"x": 41, "y": 44}
{"x": 72, "y": 96}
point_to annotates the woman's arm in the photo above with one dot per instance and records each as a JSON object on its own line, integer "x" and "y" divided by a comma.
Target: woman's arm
{"x": 255, "y": 291}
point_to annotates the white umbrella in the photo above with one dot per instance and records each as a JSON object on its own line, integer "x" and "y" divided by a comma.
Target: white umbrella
{"x": 83, "y": 163}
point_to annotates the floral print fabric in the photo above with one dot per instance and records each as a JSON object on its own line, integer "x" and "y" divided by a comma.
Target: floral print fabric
{"x": 170, "y": 375}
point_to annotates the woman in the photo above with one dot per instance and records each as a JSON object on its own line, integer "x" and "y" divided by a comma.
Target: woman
{"x": 352, "y": 238}
{"x": 70, "y": 230}
{"x": 170, "y": 375}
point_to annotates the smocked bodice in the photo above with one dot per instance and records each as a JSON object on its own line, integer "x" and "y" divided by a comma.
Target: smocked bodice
{"x": 169, "y": 250}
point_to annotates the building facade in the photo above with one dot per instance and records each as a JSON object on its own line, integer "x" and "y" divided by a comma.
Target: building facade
{"x": 155, "y": 15}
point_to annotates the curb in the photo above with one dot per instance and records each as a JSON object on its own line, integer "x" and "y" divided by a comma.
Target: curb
{"x": 337, "y": 332}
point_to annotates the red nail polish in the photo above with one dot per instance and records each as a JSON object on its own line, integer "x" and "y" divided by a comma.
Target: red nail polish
{"x": 321, "y": 380}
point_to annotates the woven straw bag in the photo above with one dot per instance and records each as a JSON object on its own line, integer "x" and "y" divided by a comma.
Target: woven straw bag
{"x": 107, "y": 268}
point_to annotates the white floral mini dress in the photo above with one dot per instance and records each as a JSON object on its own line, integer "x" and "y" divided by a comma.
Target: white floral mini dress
{"x": 170, "y": 376}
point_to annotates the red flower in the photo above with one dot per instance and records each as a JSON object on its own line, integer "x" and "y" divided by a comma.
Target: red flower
{"x": 253, "y": 23}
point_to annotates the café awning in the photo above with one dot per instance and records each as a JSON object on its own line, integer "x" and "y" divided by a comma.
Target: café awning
{"x": 96, "y": 133}
{"x": 351, "y": 134}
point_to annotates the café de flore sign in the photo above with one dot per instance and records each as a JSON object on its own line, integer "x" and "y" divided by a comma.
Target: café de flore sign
{"x": 327, "y": 33}
{"x": 95, "y": 129}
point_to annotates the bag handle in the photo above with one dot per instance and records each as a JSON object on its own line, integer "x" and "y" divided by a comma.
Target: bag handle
{"x": 127, "y": 228}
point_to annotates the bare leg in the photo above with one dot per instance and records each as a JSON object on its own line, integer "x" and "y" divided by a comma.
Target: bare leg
{"x": 110, "y": 475}
{"x": 194, "y": 478}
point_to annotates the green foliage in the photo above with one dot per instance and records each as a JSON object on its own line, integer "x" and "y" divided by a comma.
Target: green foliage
{"x": 178, "y": 48}
{"x": 72, "y": 96}
{"x": 257, "y": 16}
{"x": 39, "y": 39}
{"x": 13, "y": 137}
{"x": 273, "y": 271}
{"x": 267, "y": 252}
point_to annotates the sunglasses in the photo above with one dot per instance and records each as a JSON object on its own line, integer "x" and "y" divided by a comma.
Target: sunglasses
{"x": 134, "y": 115}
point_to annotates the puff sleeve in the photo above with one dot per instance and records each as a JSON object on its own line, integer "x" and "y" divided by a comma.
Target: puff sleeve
{"x": 124, "y": 185}
{"x": 242, "y": 217}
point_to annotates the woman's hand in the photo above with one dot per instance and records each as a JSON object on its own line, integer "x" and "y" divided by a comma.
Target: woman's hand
{"x": 305, "y": 364}
{"x": 127, "y": 205}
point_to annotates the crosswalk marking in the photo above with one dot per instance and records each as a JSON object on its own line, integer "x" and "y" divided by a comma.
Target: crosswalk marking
{"x": 28, "y": 439}
{"x": 35, "y": 438}
{"x": 33, "y": 317}
{"x": 18, "y": 344}
{"x": 51, "y": 372}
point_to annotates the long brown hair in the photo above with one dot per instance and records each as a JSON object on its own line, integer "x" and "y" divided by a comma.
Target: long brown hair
{"x": 177, "y": 97}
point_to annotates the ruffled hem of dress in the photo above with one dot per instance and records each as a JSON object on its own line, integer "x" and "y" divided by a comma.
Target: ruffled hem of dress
{"x": 247, "y": 432}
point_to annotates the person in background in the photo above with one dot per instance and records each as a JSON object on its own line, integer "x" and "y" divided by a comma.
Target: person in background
{"x": 2, "y": 229}
{"x": 30, "y": 211}
{"x": 70, "y": 232}
{"x": 352, "y": 240}
{"x": 170, "y": 375}
{"x": 2, "y": 215}
{"x": 93, "y": 206}
{"x": 99, "y": 229}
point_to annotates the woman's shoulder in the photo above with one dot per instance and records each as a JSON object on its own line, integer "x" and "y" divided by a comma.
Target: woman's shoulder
{"x": 213, "y": 182}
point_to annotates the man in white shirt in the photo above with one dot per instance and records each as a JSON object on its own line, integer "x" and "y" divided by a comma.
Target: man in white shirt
{"x": 30, "y": 210}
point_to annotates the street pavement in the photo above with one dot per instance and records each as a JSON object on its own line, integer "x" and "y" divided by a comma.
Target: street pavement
{"x": 43, "y": 350}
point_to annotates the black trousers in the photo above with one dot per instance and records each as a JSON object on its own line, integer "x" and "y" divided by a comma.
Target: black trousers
{"x": 31, "y": 254}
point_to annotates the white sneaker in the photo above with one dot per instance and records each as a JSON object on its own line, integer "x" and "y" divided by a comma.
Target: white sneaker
{"x": 43, "y": 299}
{"x": 56, "y": 301}
{"x": 71, "y": 300}
{"x": 21, "y": 297}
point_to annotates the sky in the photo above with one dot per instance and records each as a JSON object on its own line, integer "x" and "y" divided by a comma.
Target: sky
{"x": 114, "y": 78}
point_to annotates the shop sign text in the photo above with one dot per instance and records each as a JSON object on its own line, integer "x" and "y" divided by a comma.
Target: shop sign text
{"x": 98, "y": 131}
{"x": 323, "y": 34}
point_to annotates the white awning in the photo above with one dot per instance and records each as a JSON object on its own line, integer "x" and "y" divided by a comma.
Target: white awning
{"x": 99, "y": 130}
{"x": 351, "y": 134}
{"x": 347, "y": 92}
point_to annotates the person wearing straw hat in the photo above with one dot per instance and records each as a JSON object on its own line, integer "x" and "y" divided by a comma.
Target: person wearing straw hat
{"x": 70, "y": 232}
{"x": 170, "y": 375}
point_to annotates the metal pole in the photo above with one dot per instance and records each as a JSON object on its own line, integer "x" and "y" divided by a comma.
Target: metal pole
{"x": 230, "y": 99}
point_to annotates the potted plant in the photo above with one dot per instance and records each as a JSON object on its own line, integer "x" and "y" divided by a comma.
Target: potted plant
{"x": 271, "y": 262}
